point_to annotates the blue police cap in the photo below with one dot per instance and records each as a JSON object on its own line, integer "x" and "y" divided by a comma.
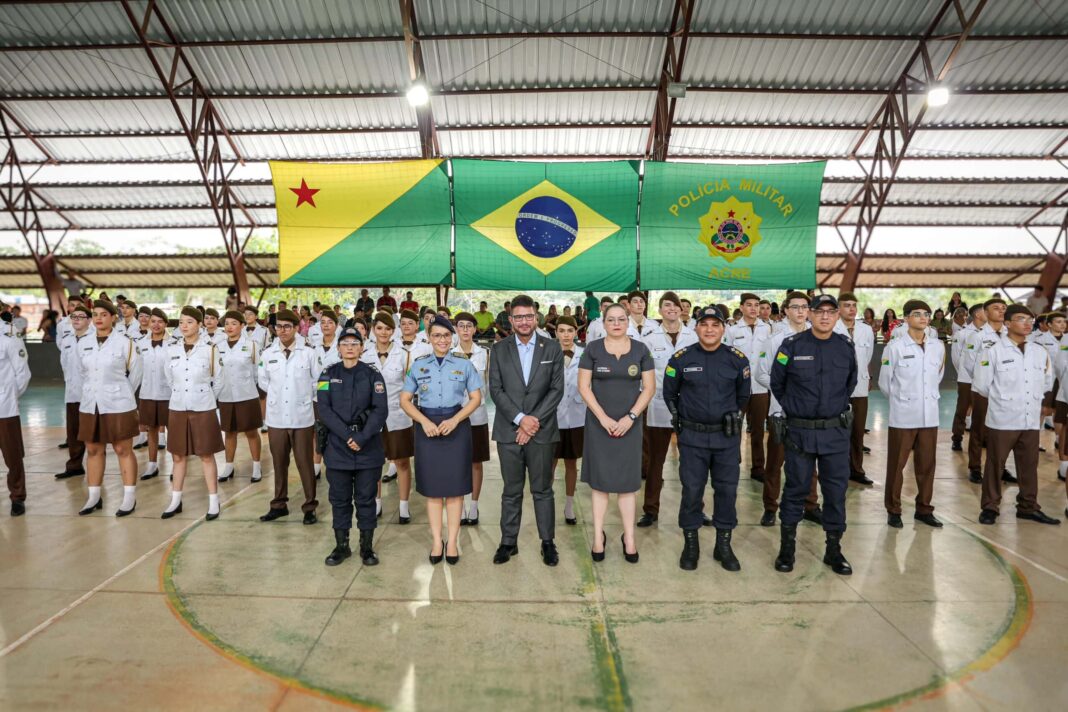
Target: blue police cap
{"x": 443, "y": 322}
{"x": 711, "y": 312}
{"x": 822, "y": 300}
{"x": 349, "y": 333}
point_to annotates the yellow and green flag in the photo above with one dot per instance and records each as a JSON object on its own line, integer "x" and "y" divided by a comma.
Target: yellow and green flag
{"x": 363, "y": 224}
{"x": 559, "y": 226}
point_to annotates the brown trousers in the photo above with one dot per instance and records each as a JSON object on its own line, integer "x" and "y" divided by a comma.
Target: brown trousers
{"x": 773, "y": 477}
{"x": 301, "y": 443}
{"x": 964, "y": 404}
{"x": 856, "y": 435}
{"x": 756, "y": 414}
{"x": 977, "y": 437}
{"x": 1023, "y": 444}
{"x": 13, "y": 452}
{"x": 920, "y": 443}
{"x": 75, "y": 447}
{"x": 655, "y": 444}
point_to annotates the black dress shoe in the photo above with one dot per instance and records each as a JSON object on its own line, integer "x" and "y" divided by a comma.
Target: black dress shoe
{"x": 388, "y": 478}
{"x": 17, "y": 509}
{"x": 63, "y": 446}
{"x": 988, "y": 516}
{"x": 1008, "y": 477}
{"x": 452, "y": 560}
{"x": 465, "y": 522}
{"x": 126, "y": 512}
{"x": 1040, "y": 517}
{"x": 867, "y": 430}
{"x": 437, "y": 559}
{"x": 1047, "y": 426}
{"x": 1060, "y": 476}
{"x": 273, "y": 514}
{"x": 141, "y": 445}
{"x": 861, "y": 479}
{"x": 319, "y": 476}
{"x": 176, "y": 510}
{"x": 227, "y": 478}
{"x": 865, "y": 449}
{"x": 504, "y": 553}
{"x": 956, "y": 446}
{"x": 89, "y": 510}
{"x": 894, "y": 520}
{"x": 768, "y": 520}
{"x": 647, "y": 520}
{"x": 212, "y": 517}
{"x": 570, "y": 521}
{"x": 310, "y": 518}
{"x": 150, "y": 475}
{"x": 403, "y": 520}
{"x": 813, "y": 515}
{"x": 756, "y": 476}
{"x": 549, "y": 554}
{"x": 706, "y": 521}
{"x": 631, "y": 558}
{"x": 67, "y": 474}
{"x": 929, "y": 519}
{"x": 599, "y": 555}
{"x": 975, "y": 477}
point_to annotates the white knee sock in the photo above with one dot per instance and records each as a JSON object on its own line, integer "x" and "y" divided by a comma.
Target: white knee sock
{"x": 257, "y": 474}
{"x": 569, "y": 508}
{"x": 228, "y": 469}
{"x": 129, "y": 497}
{"x": 378, "y": 506}
{"x": 141, "y": 439}
{"x": 162, "y": 442}
{"x": 94, "y": 497}
{"x": 392, "y": 469}
{"x": 318, "y": 468}
{"x": 213, "y": 503}
{"x": 404, "y": 508}
{"x": 472, "y": 509}
{"x": 1062, "y": 470}
{"x": 176, "y": 499}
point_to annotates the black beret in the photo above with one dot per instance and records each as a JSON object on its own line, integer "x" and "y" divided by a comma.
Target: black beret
{"x": 235, "y": 315}
{"x": 465, "y": 316}
{"x": 160, "y": 314}
{"x": 106, "y": 306}
{"x": 384, "y": 317}
{"x": 193, "y": 313}
{"x": 1017, "y": 309}
{"x": 287, "y": 315}
{"x": 443, "y": 322}
{"x": 211, "y": 312}
{"x": 914, "y": 304}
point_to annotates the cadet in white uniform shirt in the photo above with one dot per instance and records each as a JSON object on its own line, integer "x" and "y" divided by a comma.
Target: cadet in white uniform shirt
{"x": 107, "y": 415}
{"x": 211, "y": 329}
{"x": 326, "y": 349}
{"x": 570, "y": 415}
{"x": 863, "y": 339}
{"x": 595, "y": 329}
{"x": 14, "y": 380}
{"x": 239, "y": 402}
{"x": 750, "y": 336}
{"x": 466, "y": 327}
{"x": 128, "y": 323}
{"x": 260, "y": 336}
{"x": 993, "y": 332}
{"x": 640, "y": 326}
{"x": 153, "y": 406}
{"x": 194, "y": 375}
{"x": 912, "y": 369}
{"x": 1014, "y": 377}
{"x": 964, "y": 376}
{"x": 72, "y": 386}
{"x": 1049, "y": 338}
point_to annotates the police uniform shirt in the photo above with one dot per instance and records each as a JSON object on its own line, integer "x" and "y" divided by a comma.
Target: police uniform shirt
{"x": 343, "y": 394}
{"x": 1048, "y": 341}
{"x": 909, "y": 377}
{"x": 902, "y": 329}
{"x": 863, "y": 339}
{"x": 193, "y": 376}
{"x": 595, "y": 330}
{"x": 327, "y": 354}
{"x": 259, "y": 335}
{"x": 290, "y": 384}
{"x": 63, "y": 329}
{"x": 315, "y": 332}
{"x": 14, "y": 376}
{"x": 703, "y": 386}
{"x": 750, "y": 340}
{"x": 662, "y": 348}
{"x": 1014, "y": 382}
{"x": 393, "y": 369}
{"x": 217, "y": 338}
{"x": 1060, "y": 371}
{"x": 441, "y": 385}
{"x": 978, "y": 342}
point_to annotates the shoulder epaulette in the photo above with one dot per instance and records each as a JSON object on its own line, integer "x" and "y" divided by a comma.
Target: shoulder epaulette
{"x": 423, "y": 357}
{"x": 737, "y": 353}
{"x": 681, "y": 351}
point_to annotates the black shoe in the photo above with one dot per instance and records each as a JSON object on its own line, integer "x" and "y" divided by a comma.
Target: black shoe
{"x": 988, "y": 516}
{"x": 956, "y": 446}
{"x": 17, "y": 509}
{"x": 756, "y": 476}
{"x": 1060, "y": 476}
{"x": 865, "y": 449}
{"x": 813, "y": 515}
{"x": 310, "y": 518}
{"x": 367, "y": 552}
{"x": 631, "y": 558}
{"x": 549, "y": 554}
{"x": 388, "y": 478}
{"x": 861, "y": 479}
{"x": 89, "y": 510}
{"x": 570, "y": 521}
{"x": 723, "y": 553}
{"x": 894, "y": 520}
{"x": 647, "y": 520}
{"x": 867, "y": 431}
{"x": 1041, "y": 449}
{"x": 1039, "y": 516}
{"x": 452, "y": 560}
{"x": 929, "y": 519}
{"x": 273, "y": 514}
{"x": 833, "y": 555}
{"x": 975, "y": 477}
{"x": 1047, "y": 426}
{"x": 403, "y": 520}
{"x": 142, "y": 445}
{"x": 599, "y": 555}
{"x": 67, "y": 474}
{"x": 706, "y": 521}
{"x": 504, "y": 553}
{"x": 691, "y": 550}
{"x": 1008, "y": 477}
{"x": 465, "y": 522}
{"x": 768, "y": 520}
{"x": 126, "y": 512}
{"x": 63, "y": 446}
{"x": 784, "y": 562}
{"x": 227, "y": 478}
{"x": 150, "y": 475}
{"x": 212, "y": 517}
{"x": 319, "y": 476}
{"x": 437, "y": 559}
{"x": 171, "y": 513}
{"x": 341, "y": 549}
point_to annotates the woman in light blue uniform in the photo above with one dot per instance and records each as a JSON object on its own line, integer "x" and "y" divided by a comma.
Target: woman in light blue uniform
{"x": 443, "y": 441}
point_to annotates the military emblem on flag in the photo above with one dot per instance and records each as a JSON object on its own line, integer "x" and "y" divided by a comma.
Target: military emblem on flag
{"x": 730, "y": 229}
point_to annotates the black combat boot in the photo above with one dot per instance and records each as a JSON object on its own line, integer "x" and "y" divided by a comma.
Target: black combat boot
{"x": 723, "y": 552}
{"x": 341, "y": 550}
{"x": 787, "y": 543}
{"x": 691, "y": 550}
{"x": 366, "y": 552}
{"x": 833, "y": 556}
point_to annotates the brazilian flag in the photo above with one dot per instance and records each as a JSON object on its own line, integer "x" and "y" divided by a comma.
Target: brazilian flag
{"x": 362, "y": 224}
{"x": 556, "y": 226}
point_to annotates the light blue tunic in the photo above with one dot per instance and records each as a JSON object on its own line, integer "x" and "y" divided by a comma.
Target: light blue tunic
{"x": 442, "y": 385}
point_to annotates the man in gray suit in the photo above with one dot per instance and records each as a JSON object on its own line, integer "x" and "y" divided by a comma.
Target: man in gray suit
{"x": 526, "y": 382}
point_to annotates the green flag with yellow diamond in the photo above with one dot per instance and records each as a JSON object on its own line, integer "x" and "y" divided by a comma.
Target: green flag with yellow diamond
{"x": 558, "y": 226}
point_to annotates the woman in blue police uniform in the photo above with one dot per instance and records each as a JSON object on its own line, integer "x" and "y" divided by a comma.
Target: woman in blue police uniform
{"x": 443, "y": 442}
{"x": 353, "y": 405}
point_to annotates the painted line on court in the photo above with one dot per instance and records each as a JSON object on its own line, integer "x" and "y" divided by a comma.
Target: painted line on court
{"x": 1017, "y": 554}
{"x": 40, "y": 628}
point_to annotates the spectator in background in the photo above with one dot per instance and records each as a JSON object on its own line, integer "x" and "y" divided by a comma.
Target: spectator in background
{"x": 550, "y": 320}
{"x": 386, "y": 300}
{"x": 409, "y": 303}
{"x": 18, "y": 322}
{"x": 886, "y": 326}
{"x": 231, "y": 299}
{"x": 483, "y": 321}
{"x": 504, "y": 326}
{"x": 305, "y": 321}
{"x": 960, "y": 319}
{"x": 869, "y": 317}
{"x": 941, "y": 324}
{"x": 47, "y": 327}
{"x": 365, "y": 304}
{"x": 591, "y": 306}
{"x": 955, "y": 302}
{"x": 540, "y": 316}
{"x": 1037, "y": 302}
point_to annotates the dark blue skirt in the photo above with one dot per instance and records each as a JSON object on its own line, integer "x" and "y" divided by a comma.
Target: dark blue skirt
{"x": 443, "y": 463}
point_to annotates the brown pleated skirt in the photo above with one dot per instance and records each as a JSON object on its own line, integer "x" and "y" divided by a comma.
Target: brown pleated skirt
{"x": 194, "y": 433}
{"x": 153, "y": 413}
{"x": 399, "y": 444}
{"x": 1060, "y": 412}
{"x": 240, "y": 417}
{"x": 480, "y": 450}
{"x": 570, "y": 445}
{"x": 107, "y": 427}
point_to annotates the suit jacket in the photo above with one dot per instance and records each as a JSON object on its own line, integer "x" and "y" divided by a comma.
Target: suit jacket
{"x": 539, "y": 397}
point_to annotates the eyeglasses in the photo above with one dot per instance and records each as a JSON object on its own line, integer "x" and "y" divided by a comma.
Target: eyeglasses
{"x": 1023, "y": 319}
{"x": 283, "y": 327}
{"x": 920, "y": 314}
{"x": 350, "y": 344}
{"x": 826, "y": 312}
{"x": 616, "y": 320}
{"x": 446, "y": 335}
{"x": 798, "y": 307}
{"x": 523, "y": 317}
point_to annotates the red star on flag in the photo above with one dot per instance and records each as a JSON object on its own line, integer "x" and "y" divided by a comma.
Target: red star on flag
{"x": 730, "y": 213}
{"x": 305, "y": 194}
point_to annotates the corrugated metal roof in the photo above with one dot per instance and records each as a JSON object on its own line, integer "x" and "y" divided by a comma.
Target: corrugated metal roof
{"x": 577, "y": 142}
{"x": 710, "y": 107}
{"x": 458, "y": 17}
{"x": 540, "y": 107}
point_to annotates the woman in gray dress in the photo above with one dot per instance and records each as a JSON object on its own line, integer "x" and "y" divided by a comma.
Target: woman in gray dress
{"x": 616, "y": 379}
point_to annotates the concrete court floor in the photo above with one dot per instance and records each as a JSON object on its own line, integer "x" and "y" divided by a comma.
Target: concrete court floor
{"x": 104, "y": 613}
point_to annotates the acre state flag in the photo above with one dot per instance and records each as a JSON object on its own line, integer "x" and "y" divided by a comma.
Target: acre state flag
{"x": 362, "y": 224}
{"x": 556, "y": 226}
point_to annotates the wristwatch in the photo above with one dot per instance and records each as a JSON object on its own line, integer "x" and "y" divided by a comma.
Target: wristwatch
{"x": 633, "y": 415}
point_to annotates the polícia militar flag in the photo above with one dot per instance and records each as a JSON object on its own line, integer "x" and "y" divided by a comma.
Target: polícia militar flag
{"x": 558, "y": 226}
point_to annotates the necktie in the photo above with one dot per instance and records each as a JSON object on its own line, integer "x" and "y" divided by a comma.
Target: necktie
{"x": 286, "y": 352}
{"x": 570, "y": 353}
{"x": 851, "y": 332}
{"x": 250, "y": 329}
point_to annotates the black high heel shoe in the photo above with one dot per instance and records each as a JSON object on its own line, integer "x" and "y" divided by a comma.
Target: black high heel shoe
{"x": 451, "y": 560}
{"x": 599, "y": 555}
{"x": 89, "y": 510}
{"x": 126, "y": 512}
{"x": 176, "y": 510}
{"x": 631, "y": 558}
{"x": 437, "y": 559}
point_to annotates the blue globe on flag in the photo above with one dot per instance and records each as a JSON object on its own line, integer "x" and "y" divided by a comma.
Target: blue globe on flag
{"x": 546, "y": 226}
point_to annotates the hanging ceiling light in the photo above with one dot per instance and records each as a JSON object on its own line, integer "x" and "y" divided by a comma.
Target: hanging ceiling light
{"x": 418, "y": 95}
{"x": 938, "y": 95}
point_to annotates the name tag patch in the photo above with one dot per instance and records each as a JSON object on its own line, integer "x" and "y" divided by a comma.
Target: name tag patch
{"x": 693, "y": 369}
{"x": 804, "y": 358}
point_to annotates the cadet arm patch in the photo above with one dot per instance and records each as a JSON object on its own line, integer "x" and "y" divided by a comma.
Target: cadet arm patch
{"x": 380, "y": 387}
{"x": 984, "y": 363}
{"x": 782, "y": 358}
{"x": 670, "y": 371}
{"x": 323, "y": 386}
{"x": 746, "y": 372}
{"x": 886, "y": 362}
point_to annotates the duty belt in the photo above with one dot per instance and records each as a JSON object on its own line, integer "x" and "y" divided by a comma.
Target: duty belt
{"x": 700, "y": 427}
{"x": 819, "y": 424}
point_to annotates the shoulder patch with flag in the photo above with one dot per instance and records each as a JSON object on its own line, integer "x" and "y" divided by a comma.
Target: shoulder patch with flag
{"x": 782, "y": 358}
{"x": 324, "y": 385}
{"x": 886, "y": 362}
{"x": 670, "y": 371}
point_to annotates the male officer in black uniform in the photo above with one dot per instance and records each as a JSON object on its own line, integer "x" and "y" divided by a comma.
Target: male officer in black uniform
{"x": 353, "y": 407}
{"x": 812, "y": 377}
{"x": 706, "y": 388}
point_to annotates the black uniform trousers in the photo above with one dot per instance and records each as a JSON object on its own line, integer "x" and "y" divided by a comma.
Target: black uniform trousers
{"x": 833, "y": 479}
{"x": 695, "y": 466}
{"x": 349, "y": 487}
